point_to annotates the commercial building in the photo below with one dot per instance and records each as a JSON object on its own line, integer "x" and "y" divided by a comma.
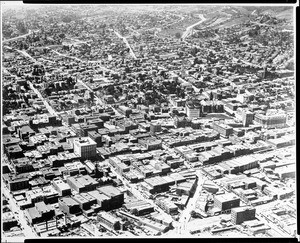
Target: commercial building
{"x": 168, "y": 206}
{"x": 241, "y": 214}
{"x": 40, "y": 213}
{"x": 109, "y": 220}
{"x": 139, "y": 207}
{"x": 150, "y": 143}
{"x": 82, "y": 183}
{"x": 85, "y": 147}
{"x": 193, "y": 109}
{"x": 226, "y": 201}
{"x": 224, "y": 129}
{"x": 86, "y": 202}
{"x": 62, "y": 188}
{"x": 8, "y": 221}
{"x": 116, "y": 197}
{"x": 69, "y": 206}
{"x": 102, "y": 200}
{"x": 156, "y": 184}
{"x": 124, "y": 110}
{"x": 271, "y": 120}
{"x": 155, "y": 127}
{"x": 16, "y": 182}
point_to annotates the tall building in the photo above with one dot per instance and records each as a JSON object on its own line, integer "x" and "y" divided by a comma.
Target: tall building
{"x": 85, "y": 147}
{"x": 247, "y": 118}
{"x": 155, "y": 127}
{"x": 241, "y": 214}
{"x": 226, "y": 201}
{"x": 193, "y": 109}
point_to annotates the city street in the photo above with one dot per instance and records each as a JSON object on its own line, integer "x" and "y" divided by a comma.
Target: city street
{"x": 27, "y": 55}
{"x": 49, "y": 107}
{"x": 19, "y": 214}
{"x": 190, "y": 28}
{"x": 127, "y": 44}
{"x": 166, "y": 101}
{"x": 137, "y": 193}
{"x": 19, "y": 37}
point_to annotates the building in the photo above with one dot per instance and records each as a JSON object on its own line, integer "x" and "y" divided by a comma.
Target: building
{"x": 102, "y": 200}
{"x": 186, "y": 188}
{"x": 95, "y": 136}
{"x": 224, "y": 129}
{"x": 168, "y": 206}
{"x": 226, "y": 201}
{"x": 155, "y": 127}
{"x": 40, "y": 213}
{"x": 85, "y": 201}
{"x": 35, "y": 195}
{"x": 16, "y": 182}
{"x": 247, "y": 118}
{"x": 193, "y": 109}
{"x": 124, "y": 110}
{"x": 109, "y": 220}
{"x": 46, "y": 211}
{"x": 85, "y": 147}
{"x": 69, "y": 206}
{"x": 14, "y": 152}
{"x": 150, "y": 143}
{"x": 139, "y": 207}
{"x": 241, "y": 214}
{"x": 271, "y": 119}
{"x": 116, "y": 197}
{"x": 156, "y": 184}
{"x": 62, "y": 188}
{"x": 9, "y": 220}
{"x": 82, "y": 183}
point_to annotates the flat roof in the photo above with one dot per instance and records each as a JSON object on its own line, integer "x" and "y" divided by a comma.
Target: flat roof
{"x": 99, "y": 196}
{"x": 84, "y": 141}
{"x": 109, "y": 190}
{"x": 226, "y": 197}
{"x": 68, "y": 201}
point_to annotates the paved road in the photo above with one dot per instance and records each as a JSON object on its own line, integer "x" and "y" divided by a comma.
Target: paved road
{"x": 18, "y": 37}
{"x": 49, "y": 107}
{"x": 80, "y": 60}
{"x": 99, "y": 101}
{"x": 190, "y": 28}
{"x": 137, "y": 193}
{"x": 8, "y": 72}
{"x": 185, "y": 215}
{"x": 76, "y": 40}
{"x": 28, "y": 231}
{"x": 127, "y": 44}
{"x": 27, "y": 55}
{"x": 60, "y": 54}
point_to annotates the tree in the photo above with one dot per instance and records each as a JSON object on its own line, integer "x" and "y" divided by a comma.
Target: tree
{"x": 62, "y": 35}
{"x": 66, "y": 19}
{"x": 194, "y": 51}
{"x": 178, "y": 35}
{"x": 21, "y": 27}
{"x": 211, "y": 96}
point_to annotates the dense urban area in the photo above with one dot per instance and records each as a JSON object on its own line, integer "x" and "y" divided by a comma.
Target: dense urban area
{"x": 148, "y": 120}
